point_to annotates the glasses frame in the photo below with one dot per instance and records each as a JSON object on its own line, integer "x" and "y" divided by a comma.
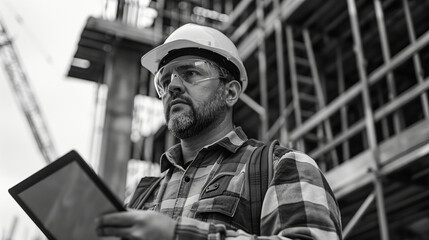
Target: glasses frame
{"x": 222, "y": 73}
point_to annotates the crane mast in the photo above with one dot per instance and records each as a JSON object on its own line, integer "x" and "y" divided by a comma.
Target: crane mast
{"x": 25, "y": 96}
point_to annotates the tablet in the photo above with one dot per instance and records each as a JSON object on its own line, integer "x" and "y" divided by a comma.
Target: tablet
{"x": 65, "y": 197}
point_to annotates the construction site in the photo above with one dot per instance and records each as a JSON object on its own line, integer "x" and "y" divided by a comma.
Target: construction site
{"x": 346, "y": 82}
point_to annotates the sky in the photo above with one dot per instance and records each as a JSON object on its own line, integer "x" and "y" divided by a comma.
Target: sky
{"x": 45, "y": 35}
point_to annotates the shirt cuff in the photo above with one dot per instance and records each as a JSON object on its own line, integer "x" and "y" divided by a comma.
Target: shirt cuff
{"x": 192, "y": 229}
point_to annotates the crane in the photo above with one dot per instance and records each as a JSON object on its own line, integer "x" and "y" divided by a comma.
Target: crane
{"x": 25, "y": 96}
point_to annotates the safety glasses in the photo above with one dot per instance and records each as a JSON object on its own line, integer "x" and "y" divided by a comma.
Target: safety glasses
{"x": 189, "y": 71}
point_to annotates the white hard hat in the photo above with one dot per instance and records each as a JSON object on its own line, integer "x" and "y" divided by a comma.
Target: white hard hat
{"x": 196, "y": 36}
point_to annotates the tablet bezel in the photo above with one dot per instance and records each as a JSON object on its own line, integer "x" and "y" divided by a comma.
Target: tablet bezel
{"x": 52, "y": 168}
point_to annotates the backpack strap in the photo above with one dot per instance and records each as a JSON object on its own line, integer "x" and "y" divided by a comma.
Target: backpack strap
{"x": 270, "y": 159}
{"x": 260, "y": 170}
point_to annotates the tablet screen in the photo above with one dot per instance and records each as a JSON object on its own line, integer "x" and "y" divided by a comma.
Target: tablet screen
{"x": 66, "y": 201}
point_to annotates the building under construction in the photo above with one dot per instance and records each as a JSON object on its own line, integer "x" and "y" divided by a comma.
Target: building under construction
{"x": 345, "y": 81}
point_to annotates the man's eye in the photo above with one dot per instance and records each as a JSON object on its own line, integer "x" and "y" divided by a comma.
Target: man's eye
{"x": 191, "y": 73}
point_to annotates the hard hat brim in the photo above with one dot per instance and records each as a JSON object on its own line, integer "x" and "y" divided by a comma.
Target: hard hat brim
{"x": 152, "y": 58}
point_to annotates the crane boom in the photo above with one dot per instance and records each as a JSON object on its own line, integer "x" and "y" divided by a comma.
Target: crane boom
{"x": 25, "y": 96}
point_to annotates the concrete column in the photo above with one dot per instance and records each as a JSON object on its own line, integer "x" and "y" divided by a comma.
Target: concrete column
{"x": 121, "y": 76}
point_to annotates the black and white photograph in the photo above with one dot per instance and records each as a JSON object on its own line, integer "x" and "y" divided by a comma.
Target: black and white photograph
{"x": 214, "y": 120}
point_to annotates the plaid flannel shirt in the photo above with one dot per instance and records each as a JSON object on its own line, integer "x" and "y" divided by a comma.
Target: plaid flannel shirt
{"x": 210, "y": 198}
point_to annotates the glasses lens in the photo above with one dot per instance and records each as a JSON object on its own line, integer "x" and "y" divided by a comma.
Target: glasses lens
{"x": 191, "y": 71}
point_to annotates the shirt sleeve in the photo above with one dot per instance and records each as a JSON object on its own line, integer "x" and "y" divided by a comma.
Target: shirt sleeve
{"x": 299, "y": 204}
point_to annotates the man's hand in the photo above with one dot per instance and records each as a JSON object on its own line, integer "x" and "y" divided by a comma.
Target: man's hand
{"x": 136, "y": 225}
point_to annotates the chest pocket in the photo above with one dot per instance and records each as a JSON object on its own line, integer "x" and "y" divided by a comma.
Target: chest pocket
{"x": 222, "y": 194}
{"x": 226, "y": 205}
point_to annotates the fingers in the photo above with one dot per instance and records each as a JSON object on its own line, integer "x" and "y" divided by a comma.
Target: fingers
{"x": 136, "y": 225}
{"x": 119, "y": 219}
{"x": 111, "y": 225}
{"x": 114, "y": 224}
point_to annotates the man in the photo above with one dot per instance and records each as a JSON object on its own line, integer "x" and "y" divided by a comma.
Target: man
{"x": 204, "y": 191}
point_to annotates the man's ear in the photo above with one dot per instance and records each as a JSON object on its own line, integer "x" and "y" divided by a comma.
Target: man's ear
{"x": 233, "y": 91}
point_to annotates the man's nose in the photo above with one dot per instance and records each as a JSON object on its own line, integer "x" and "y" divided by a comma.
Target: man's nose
{"x": 176, "y": 84}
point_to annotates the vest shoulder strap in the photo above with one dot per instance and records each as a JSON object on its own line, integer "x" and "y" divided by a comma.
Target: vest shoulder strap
{"x": 144, "y": 189}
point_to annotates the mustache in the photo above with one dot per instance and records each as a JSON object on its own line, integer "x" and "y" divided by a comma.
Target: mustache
{"x": 176, "y": 97}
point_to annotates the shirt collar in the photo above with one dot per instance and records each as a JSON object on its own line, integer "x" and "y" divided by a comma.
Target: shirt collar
{"x": 231, "y": 142}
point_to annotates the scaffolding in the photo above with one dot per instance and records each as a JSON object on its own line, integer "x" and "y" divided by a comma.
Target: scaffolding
{"x": 345, "y": 81}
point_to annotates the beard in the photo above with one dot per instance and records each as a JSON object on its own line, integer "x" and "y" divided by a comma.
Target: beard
{"x": 200, "y": 117}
